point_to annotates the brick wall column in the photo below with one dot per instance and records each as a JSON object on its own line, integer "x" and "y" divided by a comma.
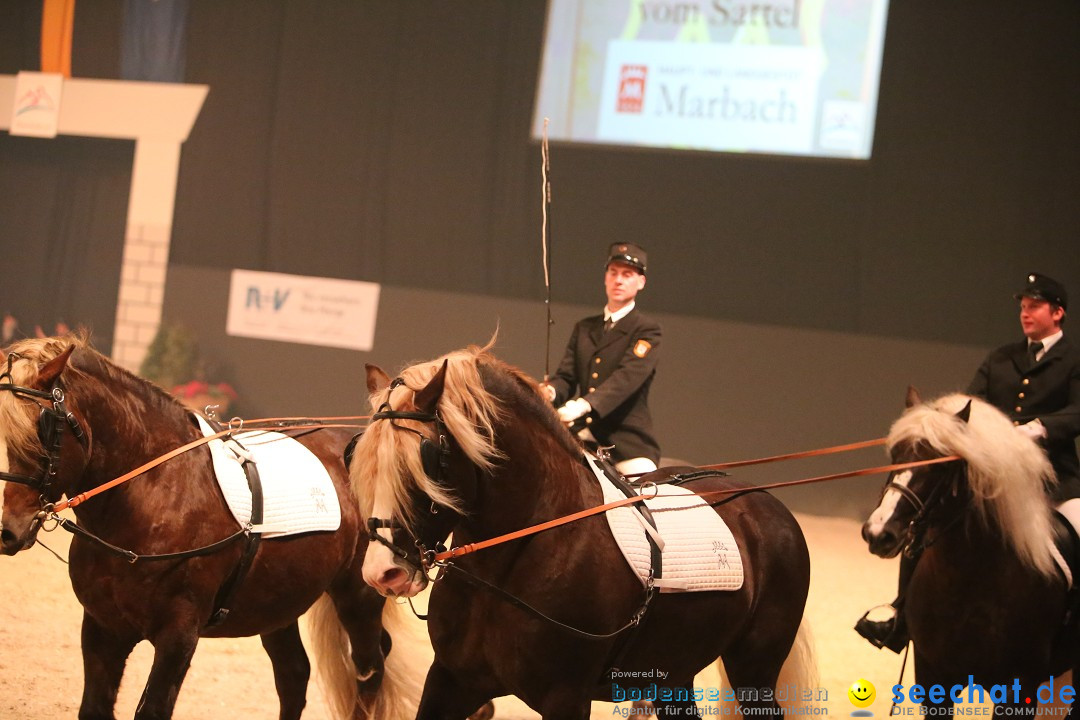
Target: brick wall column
{"x": 146, "y": 249}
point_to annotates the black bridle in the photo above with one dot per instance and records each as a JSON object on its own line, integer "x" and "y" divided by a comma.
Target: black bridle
{"x": 915, "y": 541}
{"x": 50, "y": 428}
{"x": 435, "y": 460}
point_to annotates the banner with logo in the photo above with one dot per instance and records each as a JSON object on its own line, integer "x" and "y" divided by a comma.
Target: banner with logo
{"x": 36, "y": 110}
{"x": 301, "y": 309}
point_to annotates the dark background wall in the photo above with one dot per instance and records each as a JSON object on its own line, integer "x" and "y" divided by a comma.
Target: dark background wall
{"x": 389, "y": 141}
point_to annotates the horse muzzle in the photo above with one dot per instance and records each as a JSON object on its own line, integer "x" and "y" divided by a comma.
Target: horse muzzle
{"x": 12, "y": 542}
{"x": 398, "y": 581}
{"x": 883, "y": 541}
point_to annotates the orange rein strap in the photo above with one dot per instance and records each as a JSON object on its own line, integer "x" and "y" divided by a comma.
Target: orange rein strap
{"x": 473, "y": 547}
{"x": 83, "y": 497}
{"x": 789, "y": 456}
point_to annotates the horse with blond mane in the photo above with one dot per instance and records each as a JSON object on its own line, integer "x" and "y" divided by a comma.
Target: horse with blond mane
{"x": 986, "y": 599}
{"x": 466, "y": 444}
{"x": 70, "y": 421}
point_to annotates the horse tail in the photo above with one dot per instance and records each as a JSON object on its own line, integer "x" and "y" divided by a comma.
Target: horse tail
{"x": 406, "y": 666}
{"x": 397, "y": 694}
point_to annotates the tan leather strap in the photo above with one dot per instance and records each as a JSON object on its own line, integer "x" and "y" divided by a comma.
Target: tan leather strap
{"x": 532, "y": 530}
{"x": 83, "y": 497}
{"x": 788, "y": 456}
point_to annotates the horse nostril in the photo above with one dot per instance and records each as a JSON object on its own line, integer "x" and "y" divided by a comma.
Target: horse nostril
{"x": 7, "y": 538}
{"x": 390, "y": 577}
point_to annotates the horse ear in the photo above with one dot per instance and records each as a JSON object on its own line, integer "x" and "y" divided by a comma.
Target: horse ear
{"x": 912, "y": 398}
{"x": 51, "y": 370}
{"x": 965, "y": 412}
{"x": 376, "y": 379}
{"x": 427, "y": 398}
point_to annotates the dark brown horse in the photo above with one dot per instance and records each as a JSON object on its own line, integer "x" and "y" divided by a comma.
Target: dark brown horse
{"x": 985, "y": 598}
{"x": 69, "y": 421}
{"x": 466, "y": 444}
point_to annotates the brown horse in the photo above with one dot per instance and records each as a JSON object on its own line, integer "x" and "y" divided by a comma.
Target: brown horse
{"x": 985, "y": 599}
{"x": 69, "y": 421}
{"x": 467, "y": 444}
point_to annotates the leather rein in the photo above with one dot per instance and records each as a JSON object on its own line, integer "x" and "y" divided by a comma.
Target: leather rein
{"x": 52, "y": 420}
{"x": 441, "y": 558}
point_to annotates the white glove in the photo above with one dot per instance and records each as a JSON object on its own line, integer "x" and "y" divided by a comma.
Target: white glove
{"x": 548, "y": 391}
{"x": 574, "y": 409}
{"x": 1034, "y": 430}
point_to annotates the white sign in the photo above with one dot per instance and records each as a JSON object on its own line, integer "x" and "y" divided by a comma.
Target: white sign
{"x": 299, "y": 309}
{"x": 710, "y": 97}
{"x": 36, "y": 110}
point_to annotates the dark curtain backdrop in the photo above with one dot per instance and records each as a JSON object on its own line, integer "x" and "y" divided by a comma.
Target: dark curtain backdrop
{"x": 389, "y": 141}
{"x": 63, "y": 204}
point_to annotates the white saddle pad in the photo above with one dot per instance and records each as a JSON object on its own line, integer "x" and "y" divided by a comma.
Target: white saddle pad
{"x": 1070, "y": 509}
{"x": 699, "y": 551}
{"x": 298, "y": 494}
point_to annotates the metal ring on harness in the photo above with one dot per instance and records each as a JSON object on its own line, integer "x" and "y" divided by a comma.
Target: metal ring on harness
{"x": 655, "y": 488}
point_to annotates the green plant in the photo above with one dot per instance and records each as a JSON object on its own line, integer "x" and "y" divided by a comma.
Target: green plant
{"x": 173, "y": 357}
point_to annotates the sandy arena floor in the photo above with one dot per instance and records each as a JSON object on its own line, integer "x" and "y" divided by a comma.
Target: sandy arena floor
{"x": 41, "y": 672}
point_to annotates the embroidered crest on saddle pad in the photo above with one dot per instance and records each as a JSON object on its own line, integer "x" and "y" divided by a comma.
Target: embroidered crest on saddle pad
{"x": 298, "y": 494}
{"x": 699, "y": 551}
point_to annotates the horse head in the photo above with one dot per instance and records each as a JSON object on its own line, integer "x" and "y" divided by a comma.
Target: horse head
{"x": 401, "y": 467}
{"x": 913, "y": 497}
{"x": 44, "y": 443}
{"x": 999, "y": 482}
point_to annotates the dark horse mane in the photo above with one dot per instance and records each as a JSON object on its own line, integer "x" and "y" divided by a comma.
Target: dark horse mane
{"x": 86, "y": 369}
{"x": 513, "y": 387}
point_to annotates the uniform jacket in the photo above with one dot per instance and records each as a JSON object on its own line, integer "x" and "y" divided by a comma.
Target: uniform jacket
{"x": 613, "y": 370}
{"x": 1048, "y": 390}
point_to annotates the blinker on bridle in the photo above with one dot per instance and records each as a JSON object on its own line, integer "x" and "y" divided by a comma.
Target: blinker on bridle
{"x": 914, "y": 544}
{"x": 435, "y": 460}
{"x": 50, "y": 430}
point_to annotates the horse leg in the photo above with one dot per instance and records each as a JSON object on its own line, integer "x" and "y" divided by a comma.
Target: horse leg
{"x": 1024, "y": 703}
{"x": 559, "y": 706}
{"x": 173, "y": 650}
{"x": 104, "y": 657}
{"x": 444, "y": 698}
{"x": 291, "y": 669}
{"x": 928, "y": 675}
{"x": 678, "y": 706}
{"x": 753, "y": 666}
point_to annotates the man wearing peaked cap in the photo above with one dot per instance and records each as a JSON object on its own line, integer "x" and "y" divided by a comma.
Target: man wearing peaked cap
{"x": 1036, "y": 382}
{"x": 1041, "y": 287}
{"x": 601, "y": 388}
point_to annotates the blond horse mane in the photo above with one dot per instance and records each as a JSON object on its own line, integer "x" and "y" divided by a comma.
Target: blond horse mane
{"x": 386, "y": 457}
{"x": 18, "y": 415}
{"x": 1008, "y": 474}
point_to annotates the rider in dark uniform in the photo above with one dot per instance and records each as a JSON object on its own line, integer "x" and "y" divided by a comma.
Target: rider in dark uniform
{"x": 609, "y": 364}
{"x": 1036, "y": 382}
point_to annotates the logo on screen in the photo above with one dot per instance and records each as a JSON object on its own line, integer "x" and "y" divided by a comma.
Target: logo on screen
{"x": 631, "y": 88}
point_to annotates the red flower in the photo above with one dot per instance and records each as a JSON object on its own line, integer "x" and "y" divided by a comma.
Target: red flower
{"x": 195, "y": 388}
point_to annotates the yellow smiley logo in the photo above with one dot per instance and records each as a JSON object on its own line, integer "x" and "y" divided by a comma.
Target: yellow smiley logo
{"x": 861, "y": 693}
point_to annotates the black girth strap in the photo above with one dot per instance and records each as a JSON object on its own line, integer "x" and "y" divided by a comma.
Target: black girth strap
{"x": 517, "y": 602}
{"x": 655, "y": 553}
{"x": 622, "y": 645}
{"x": 227, "y": 592}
